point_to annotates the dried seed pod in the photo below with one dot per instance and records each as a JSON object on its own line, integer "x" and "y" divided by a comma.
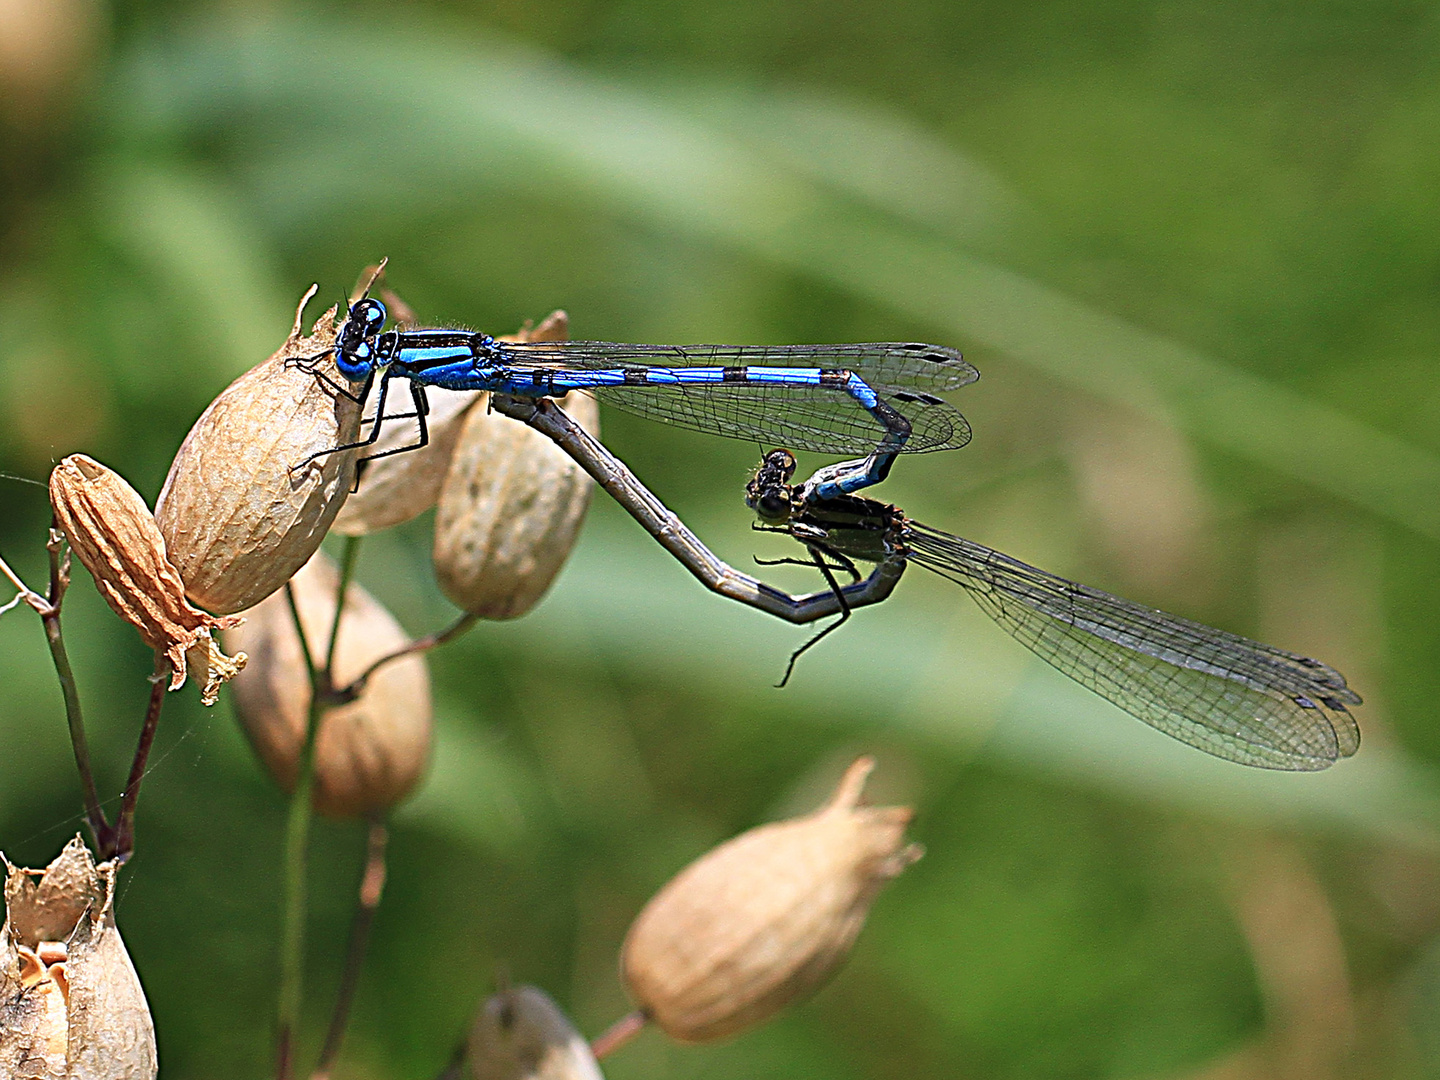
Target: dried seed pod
{"x": 239, "y": 511}
{"x": 397, "y": 488}
{"x": 71, "y": 1006}
{"x": 511, "y": 507}
{"x": 111, "y": 530}
{"x": 520, "y": 1034}
{"x": 763, "y": 919}
{"x": 369, "y": 753}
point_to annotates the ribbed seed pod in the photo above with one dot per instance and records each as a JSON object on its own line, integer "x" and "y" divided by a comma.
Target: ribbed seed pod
{"x": 511, "y": 506}
{"x": 763, "y": 919}
{"x": 71, "y": 1006}
{"x": 112, "y": 532}
{"x": 239, "y": 512}
{"x": 520, "y": 1034}
{"x": 396, "y": 488}
{"x": 369, "y": 753}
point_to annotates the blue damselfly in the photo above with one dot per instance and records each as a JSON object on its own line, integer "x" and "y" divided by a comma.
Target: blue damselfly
{"x": 872, "y": 399}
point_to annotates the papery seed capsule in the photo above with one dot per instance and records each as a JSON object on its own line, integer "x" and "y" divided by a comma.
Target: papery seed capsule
{"x": 71, "y": 1006}
{"x": 763, "y": 919}
{"x": 511, "y": 506}
{"x": 401, "y": 486}
{"x": 520, "y": 1034}
{"x": 110, "y": 529}
{"x": 369, "y": 753}
{"x": 240, "y": 510}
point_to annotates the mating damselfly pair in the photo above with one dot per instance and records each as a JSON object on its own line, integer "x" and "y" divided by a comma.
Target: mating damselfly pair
{"x": 1227, "y": 695}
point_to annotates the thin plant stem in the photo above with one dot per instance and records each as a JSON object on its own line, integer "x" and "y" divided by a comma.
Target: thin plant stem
{"x": 74, "y": 718}
{"x": 297, "y": 835}
{"x": 124, "y": 834}
{"x": 353, "y": 689}
{"x": 618, "y": 1034}
{"x": 75, "y": 721}
{"x": 297, "y": 829}
{"x": 372, "y": 886}
{"x": 347, "y": 570}
{"x": 48, "y": 608}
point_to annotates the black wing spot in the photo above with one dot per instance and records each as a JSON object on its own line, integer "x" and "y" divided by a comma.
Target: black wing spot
{"x": 915, "y": 395}
{"x": 928, "y": 352}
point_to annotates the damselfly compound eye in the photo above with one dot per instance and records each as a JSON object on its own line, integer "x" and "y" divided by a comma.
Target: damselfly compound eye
{"x": 370, "y": 314}
{"x": 772, "y": 506}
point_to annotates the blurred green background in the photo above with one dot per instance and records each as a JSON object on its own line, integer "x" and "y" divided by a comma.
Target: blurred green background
{"x": 1194, "y": 248}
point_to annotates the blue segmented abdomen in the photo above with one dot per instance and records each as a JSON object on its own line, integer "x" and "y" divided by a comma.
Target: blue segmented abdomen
{"x": 520, "y": 380}
{"x": 849, "y": 399}
{"x": 696, "y": 376}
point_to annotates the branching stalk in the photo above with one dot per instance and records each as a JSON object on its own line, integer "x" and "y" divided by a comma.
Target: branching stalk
{"x": 48, "y": 608}
{"x": 297, "y": 828}
{"x": 357, "y": 686}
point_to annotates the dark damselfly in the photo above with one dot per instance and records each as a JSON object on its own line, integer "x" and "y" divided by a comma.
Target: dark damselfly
{"x": 1227, "y": 695}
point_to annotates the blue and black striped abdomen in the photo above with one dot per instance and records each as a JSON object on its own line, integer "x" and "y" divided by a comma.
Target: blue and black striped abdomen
{"x": 904, "y": 364}
{"x": 835, "y": 399}
{"x": 838, "y": 399}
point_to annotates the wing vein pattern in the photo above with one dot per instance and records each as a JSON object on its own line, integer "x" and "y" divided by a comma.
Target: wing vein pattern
{"x": 1222, "y": 693}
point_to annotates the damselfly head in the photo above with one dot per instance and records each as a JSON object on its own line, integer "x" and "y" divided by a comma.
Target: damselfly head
{"x": 362, "y": 322}
{"x": 355, "y": 342}
{"x": 769, "y": 492}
